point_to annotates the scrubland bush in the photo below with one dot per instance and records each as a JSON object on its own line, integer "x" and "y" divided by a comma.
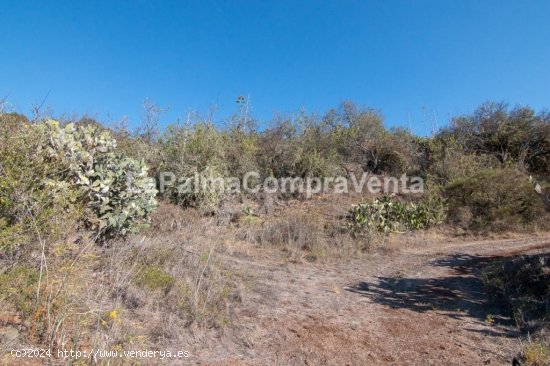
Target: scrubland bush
{"x": 536, "y": 353}
{"x": 27, "y": 206}
{"x": 361, "y": 138}
{"x": 296, "y": 148}
{"x": 242, "y": 151}
{"x": 198, "y": 146}
{"x": 494, "y": 199}
{"x": 136, "y": 148}
{"x": 197, "y": 151}
{"x": 512, "y": 136}
{"x": 446, "y": 160}
{"x": 204, "y": 193}
{"x": 522, "y": 286}
{"x": 308, "y": 146}
{"x": 142, "y": 144}
{"x": 18, "y": 284}
{"x": 492, "y": 138}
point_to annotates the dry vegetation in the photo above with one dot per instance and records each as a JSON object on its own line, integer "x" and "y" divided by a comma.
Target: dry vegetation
{"x": 88, "y": 260}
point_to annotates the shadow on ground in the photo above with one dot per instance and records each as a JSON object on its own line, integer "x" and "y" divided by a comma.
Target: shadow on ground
{"x": 458, "y": 293}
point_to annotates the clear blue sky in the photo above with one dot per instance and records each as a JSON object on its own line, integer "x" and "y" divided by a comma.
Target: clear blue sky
{"x": 443, "y": 57}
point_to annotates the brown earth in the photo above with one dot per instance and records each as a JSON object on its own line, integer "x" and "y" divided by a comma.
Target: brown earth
{"x": 411, "y": 306}
{"x": 415, "y": 301}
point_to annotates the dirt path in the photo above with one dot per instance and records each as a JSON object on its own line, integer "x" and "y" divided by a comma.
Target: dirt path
{"x": 415, "y": 306}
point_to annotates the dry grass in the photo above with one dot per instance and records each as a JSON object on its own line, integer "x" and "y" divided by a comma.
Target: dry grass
{"x": 151, "y": 290}
{"x": 536, "y": 353}
{"x": 173, "y": 283}
{"x": 305, "y": 231}
{"x": 181, "y": 281}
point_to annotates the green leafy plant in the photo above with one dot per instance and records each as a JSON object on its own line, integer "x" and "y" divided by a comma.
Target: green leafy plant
{"x": 386, "y": 215}
{"x": 115, "y": 188}
{"x": 70, "y": 174}
{"x": 197, "y": 157}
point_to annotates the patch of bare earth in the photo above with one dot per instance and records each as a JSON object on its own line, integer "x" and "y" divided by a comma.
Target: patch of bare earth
{"x": 414, "y": 306}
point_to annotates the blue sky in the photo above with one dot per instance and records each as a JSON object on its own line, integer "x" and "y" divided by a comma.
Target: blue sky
{"x": 418, "y": 61}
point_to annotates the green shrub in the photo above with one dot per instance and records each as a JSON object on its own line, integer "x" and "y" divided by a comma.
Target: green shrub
{"x": 428, "y": 212}
{"x": 187, "y": 149}
{"x": 195, "y": 154}
{"x": 242, "y": 152}
{"x": 204, "y": 190}
{"x": 18, "y": 286}
{"x": 536, "y": 354}
{"x": 120, "y": 194}
{"x": 300, "y": 148}
{"x": 512, "y": 136}
{"x": 360, "y": 138}
{"x": 27, "y": 206}
{"x": 446, "y": 159}
{"x": 154, "y": 278}
{"x": 386, "y": 215}
{"x": 493, "y": 199}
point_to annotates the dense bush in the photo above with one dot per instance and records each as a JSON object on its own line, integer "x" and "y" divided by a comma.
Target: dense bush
{"x": 360, "y": 138}
{"x": 345, "y": 140}
{"x": 521, "y": 288}
{"x": 28, "y": 209}
{"x": 297, "y": 147}
{"x": 510, "y": 135}
{"x": 494, "y": 199}
{"x": 444, "y": 159}
{"x": 19, "y": 285}
{"x": 242, "y": 151}
{"x": 192, "y": 152}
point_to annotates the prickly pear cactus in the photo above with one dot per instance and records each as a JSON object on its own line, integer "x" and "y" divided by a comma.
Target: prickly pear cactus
{"x": 386, "y": 215}
{"x": 122, "y": 194}
{"x": 115, "y": 188}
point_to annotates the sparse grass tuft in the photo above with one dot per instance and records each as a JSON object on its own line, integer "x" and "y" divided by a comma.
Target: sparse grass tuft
{"x": 18, "y": 288}
{"x": 536, "y": 354}
{"x": 154, "y": 278}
